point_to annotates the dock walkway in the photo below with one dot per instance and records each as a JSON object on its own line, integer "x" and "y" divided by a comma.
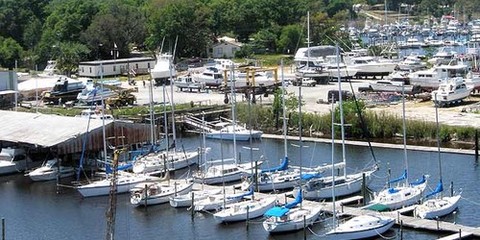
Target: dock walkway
{"x": 458, "y": 231}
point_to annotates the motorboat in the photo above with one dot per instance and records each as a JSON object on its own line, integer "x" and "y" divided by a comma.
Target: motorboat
{"x": 411, "y": 42}
{"x": 187, "y": 82}
{"x": 125, "y": 182}
{"x": 363, "y": 226}
{"x": 65, "y": 89}
{"x": 443, "y": 56}
{"x": 158, "y": 192}
{"x": 432, "y": 77}
{"x": 370, "y": 66}
{"x": 210, "y": 77}
{"x": 335, "y": 69}
{"x": 244, "y": 210}
{"x": 451, "y": 91}
{"x": 185, "y": 200}
{"x": 227, "y": 131}
{"x": 14, "y": 160}
{"x": 412, "y": 63}
{"x": 94, "y": 114}
{"x": 95, "y": 95}
{"x": 290, "y": 217}
{"x": 250, "y": 78}
{"x": 162, "y": 72}
{"x": 51, "y": 170}
{"x": 393, "y": 86}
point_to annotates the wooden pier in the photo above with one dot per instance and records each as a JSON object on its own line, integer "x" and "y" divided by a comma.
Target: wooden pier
{"x": 458, "y": 231}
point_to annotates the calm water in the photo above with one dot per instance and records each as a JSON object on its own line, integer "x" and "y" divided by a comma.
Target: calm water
{"x": 33, "y": 210}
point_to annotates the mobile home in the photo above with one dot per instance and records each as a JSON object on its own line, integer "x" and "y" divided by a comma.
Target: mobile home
{"x": 112, "y": 67}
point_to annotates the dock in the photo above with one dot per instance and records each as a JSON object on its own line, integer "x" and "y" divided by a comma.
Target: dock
{"x": 457, "y": 231}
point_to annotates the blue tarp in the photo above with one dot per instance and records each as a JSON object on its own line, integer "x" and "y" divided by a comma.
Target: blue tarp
{"x": 276, "y": 212}
{"x": 298, "y": 199}
{"x": 250, "y": 192}
{"x": 308, "y": 176}
{"x": 392, "y": 190}
{"x": 404, "y": 176}
{"x": 109, "y": 169}
{"x": 282, "y": 167}
{"x": 438, "y": 189}
{"x": 419, "y": 181}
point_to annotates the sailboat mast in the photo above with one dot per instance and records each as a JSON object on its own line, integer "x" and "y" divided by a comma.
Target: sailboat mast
{"x": 152, "y": 114}
{"x": 233, "y": 101}
{"x": 404, "y": 133}
{"x": 340, "y": 101}
{"x": 438, "y": 138}
{"x": 103, "y": 116}
{"x": 165, "y": 118}
{"x": 170, "y": 69}
{"x": 284, "y": 112}
{"x": 333, "y": 163}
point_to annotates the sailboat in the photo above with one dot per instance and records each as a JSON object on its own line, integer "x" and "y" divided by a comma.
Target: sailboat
{"x": 283, "y": 176}
{"x": 441, "y": 205}
{"x": 362, "y": 226}
{"x": 290, "y": 217}
{"x": 158, "y": 192}
{"x": 402, "y": 195}
{"x": 321, "y": 187}
{"x": 169, "y": 159}
{"x": 225, "y": 170}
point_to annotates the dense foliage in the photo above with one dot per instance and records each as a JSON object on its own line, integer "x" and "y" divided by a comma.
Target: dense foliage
{"x": 33, "y": 31}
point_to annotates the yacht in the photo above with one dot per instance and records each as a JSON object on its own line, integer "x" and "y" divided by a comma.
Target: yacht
{"x": 14, "y": 160}
{"x": 187, "y": 82}
{"x": 50, "y": 170}
{"x": 64, "y": 90}
{"x": 444, "y": 56}
{"x": 95, "y": 95}
{"x": 162, "y": 71}
{"x": 451, "y": 91}
{"x": 412, "y": 63}
{"x": 94, "y": 114}
{"x": 370, "y": 66}
{"x": 229, "y": 131}
{"x": 210, "y": 77}
{"x": 310, "y": 61}
{"x": 431, "y": 78}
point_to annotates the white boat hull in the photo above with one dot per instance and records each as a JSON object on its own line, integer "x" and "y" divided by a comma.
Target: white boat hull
{"x": 434, "y": 208}
{"x": 245, "y": 210}
{"x": 294, "y": 220}
{"x": 230, "y": 177}
{"x": 156, "y": 162}
{"x": 404, "y": 197}
{"x": 102, "y": 187}
{"x": 351, "y": 185}
{"x": 139, "y": 199}
{"x": 47, "y": 174}
{"x": 185, "y": 200}
{"x": 7, "y": 167}
{"x": 366, "y": 230}
{"x": 237, "y": 136}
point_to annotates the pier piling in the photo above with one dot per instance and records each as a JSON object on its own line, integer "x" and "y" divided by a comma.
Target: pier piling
{"x": 248, "y": 216}
{"x": 192, "y": 208}
{"x": 3, "y": 229}
{"x": 304, "y": 227}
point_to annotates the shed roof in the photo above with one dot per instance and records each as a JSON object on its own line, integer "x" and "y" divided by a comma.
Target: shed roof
{"x": 43, "y": 129}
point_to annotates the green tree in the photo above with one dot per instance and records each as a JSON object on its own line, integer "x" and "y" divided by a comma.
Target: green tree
{"x": 70, "y": 55}
{"x": 10, "y": 51}
{"x": 289, "y": 39}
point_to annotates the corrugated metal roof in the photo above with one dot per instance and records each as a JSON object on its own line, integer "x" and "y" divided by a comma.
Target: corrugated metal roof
{"x": 43, "y": 129}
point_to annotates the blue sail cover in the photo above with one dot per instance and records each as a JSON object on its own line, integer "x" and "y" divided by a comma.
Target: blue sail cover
{"x": 298, "y": 199}
{"x": 419, "y": 181}
{"x": 282, "y": 167}
{"x": 276, "y": 212}
{"x": 250, "y": 192}
{"x": 308, "y": 176}
{"x": 438, "y": 189}
{"x": 109, "y": 169}
{"x": 404, "y": 176}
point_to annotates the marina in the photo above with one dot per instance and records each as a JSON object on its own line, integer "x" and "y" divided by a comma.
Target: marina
{"x": 52, "y": 203}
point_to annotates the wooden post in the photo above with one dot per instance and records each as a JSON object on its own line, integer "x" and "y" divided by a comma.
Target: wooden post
{"x": 438, "y": 223}
{"x": 451, "y": 189}
{"x": 193, "y": 206}
{"x": 146, "y": 196}
{"x": 476, "y": 145}
{"x": 460, "y": 233}
{"x": 3, "y": 229}
{"x": 364, "y": 189}
{"x": 304, "y": 227}
{"x": 248, "y": 215}
{"x": 401, "y": 230}
{"x": 256, "y": 176}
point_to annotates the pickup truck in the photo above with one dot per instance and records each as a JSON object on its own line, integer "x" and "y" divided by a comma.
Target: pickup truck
{"x": 306, "y": 82}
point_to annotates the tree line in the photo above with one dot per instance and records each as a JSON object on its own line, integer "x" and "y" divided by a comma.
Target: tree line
{"x": 70, "y": 31}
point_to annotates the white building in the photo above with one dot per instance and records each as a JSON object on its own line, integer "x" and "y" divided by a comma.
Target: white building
{"x": 112, "y": 67}
{"x": 225, "y": 48}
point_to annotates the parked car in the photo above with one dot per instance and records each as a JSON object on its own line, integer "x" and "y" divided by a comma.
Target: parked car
{"x": 334, "y": 96}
